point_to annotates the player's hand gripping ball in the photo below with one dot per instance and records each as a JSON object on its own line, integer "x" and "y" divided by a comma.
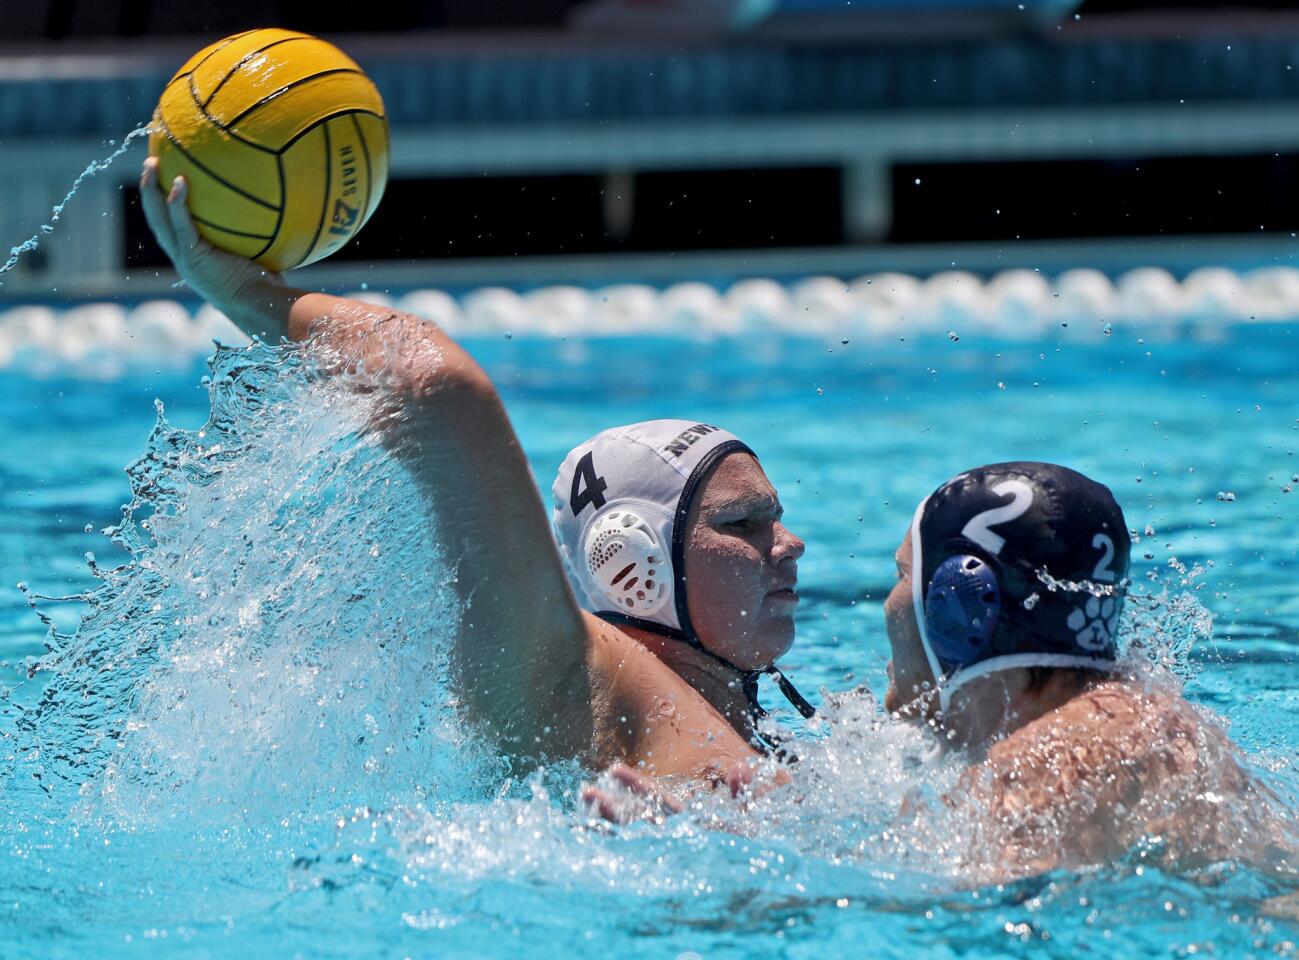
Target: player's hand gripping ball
{"x": 283, "y": 141}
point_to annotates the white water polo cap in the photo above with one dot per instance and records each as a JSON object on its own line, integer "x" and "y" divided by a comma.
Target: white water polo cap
{"x": 620, "y": 504}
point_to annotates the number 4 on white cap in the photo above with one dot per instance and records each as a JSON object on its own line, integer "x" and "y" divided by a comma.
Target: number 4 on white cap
{"x": 578, "y": 499}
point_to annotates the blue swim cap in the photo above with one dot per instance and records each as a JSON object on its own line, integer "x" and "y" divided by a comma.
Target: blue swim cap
{"x": 1017, "y": 565}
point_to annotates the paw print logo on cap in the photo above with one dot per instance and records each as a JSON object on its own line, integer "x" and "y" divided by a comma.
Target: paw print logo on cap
{"x": 1096, "y": 623}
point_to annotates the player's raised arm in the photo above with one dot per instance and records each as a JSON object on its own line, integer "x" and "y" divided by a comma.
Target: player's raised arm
{"x": 522, "y": 648}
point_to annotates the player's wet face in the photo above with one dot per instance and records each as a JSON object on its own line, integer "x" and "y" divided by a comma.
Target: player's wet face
{"x": 909, "y": 673}
{"x": 741, "y": 566}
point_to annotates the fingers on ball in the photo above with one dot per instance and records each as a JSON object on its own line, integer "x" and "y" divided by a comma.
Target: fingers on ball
{"x": 154, "y": 212}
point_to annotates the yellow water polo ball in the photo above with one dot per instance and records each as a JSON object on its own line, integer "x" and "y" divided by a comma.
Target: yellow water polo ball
{"x": 283, "y": 140}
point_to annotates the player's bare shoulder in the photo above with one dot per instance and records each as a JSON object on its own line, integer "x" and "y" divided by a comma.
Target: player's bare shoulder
{"x": 649, "y": 716}
{"x": 1116, "y": 729}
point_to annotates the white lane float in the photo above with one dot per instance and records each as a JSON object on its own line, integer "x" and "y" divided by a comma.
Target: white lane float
{"x": 1150, "y": 299}
{"x": 436, "y": 306}
{"x": 558, "y": 311}
{"x": 624, "y": 308}
{"x": 694, "y": 309}
{"x": 1018, "y": 304}
{"x": 821, "y": 306}
{"x": 93, "y": 328}
{"x": 1273, "y": 294}
{"x": 885, "y": 304}
{"x": 759, "y": 304}
{"x": 1214, "y": 298}
{"x": 1021, "y": 304}
{"x": 1215, "y": 294}
{"x": 34, "y": 328}
{"x": 495, "y": 310}
{"x": 1086, "y": 300}
{"x": 159, "y": 327}
{"x": 953, "y": 300}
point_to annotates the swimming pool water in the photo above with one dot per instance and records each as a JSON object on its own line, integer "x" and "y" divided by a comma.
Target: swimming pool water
{"x": 1197, "y": 439}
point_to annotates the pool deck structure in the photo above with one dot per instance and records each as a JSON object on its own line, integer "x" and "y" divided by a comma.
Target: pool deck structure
{"x": 542, "y": 104}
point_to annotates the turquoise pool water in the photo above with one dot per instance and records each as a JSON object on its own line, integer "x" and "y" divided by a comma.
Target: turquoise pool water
{"x": 248, "y": 750}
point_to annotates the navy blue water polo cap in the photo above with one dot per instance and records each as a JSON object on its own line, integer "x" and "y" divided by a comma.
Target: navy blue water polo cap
{"x": 1018, "y": 564}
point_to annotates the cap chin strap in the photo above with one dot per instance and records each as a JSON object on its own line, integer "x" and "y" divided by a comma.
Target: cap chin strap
{"x": 748, "y": 678}
{"x": 1010, "y": 661}
{"x": 757, "y": 712}
{"x": 791, "y": 693}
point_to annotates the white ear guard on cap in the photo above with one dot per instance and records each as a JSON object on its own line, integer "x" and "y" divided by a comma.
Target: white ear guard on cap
{"x": 628, "y": 562}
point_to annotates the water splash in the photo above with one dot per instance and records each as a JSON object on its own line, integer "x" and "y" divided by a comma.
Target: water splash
{"x": 1054, "y": 585}
{"x": 229, "y": 705}
{"x": 277, "y": 640}
{"x": 96, "y": 167}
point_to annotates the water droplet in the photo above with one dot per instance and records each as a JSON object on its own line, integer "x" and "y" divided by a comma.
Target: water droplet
{"x": 952, "y": 336}
{"x": 508, "y": 335}
{"x": 844, "y": 341}
{"x": 1000, "y": 385}
{"x": 1109, "y": 330}
{"x": 1226, "y": 496}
